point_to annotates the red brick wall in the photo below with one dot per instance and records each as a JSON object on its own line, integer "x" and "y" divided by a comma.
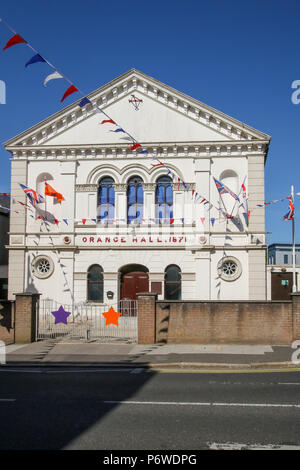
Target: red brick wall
{"x": 224, "y": 322}
{"x": 7, "y": 332}
{"x": 296, "y": 315}
{"x": 146, "y": 318}
{"x": 244, "y": 322}
{"x": 25, "y": 317}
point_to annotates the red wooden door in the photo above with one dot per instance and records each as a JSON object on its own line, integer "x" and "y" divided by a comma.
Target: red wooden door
{"x": 134, "y": 282}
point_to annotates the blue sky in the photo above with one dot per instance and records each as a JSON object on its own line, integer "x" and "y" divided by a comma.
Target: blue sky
{"x": 238, "y": 57}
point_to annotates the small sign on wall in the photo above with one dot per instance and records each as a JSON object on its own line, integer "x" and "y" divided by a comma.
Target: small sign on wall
{"x": 284, "y": 282}
{"x": 156, "y": 287}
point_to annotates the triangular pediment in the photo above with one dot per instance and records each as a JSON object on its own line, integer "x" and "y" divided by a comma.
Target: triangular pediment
{"x": 164, "y": 115}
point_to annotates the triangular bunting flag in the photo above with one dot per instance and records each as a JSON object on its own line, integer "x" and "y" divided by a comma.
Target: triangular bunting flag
{"x": 69, "y": 92}
{"x": 36, "y": 58}
{"x": 52, "y": 76}
{"x": 16, "y": 39}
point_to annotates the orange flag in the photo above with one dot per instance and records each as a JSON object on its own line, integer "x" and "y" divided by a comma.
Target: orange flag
{"x": 49, "y": 191}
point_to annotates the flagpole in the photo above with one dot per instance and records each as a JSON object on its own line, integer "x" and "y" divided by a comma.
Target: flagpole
{"x": 293, "y": 242}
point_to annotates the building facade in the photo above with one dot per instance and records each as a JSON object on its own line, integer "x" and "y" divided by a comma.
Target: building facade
{"x": 280, "y": 270}
{"x": 282, "y": 253}
{"x": 127, "y": 223}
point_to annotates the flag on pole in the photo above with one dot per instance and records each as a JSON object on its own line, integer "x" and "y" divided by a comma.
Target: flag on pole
{"x": 290, "y": 214}
{"x": 32, "y": 195}
{"x": 222, "y": 189}
{"x": 245, "y": 203}
{"x": 49, "y": 191}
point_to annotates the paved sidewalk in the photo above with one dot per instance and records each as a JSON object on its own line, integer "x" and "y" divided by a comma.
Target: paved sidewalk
{"x": 81, "y": 353}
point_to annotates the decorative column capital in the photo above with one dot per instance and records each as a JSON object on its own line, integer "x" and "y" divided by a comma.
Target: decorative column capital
{"x": 121, "y": 187}
{"x": 149, "y": 186}
{"x": 83, "y": 188}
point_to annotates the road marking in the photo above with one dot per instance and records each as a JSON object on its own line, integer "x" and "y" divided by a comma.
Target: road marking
{"x": 219, "y": 371}
{"x": 124, "y": 369}
{"x": 178, "y": 403}
{"x": 21, "y": 370}
{"x": 47, "y": 371}
{"x": 288, "y": 383}
{"x": 238, "y": 446}
{"x": 7, "y": 399}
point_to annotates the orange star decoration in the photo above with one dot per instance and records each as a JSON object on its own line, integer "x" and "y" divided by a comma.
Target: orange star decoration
{"x": 111, "y": 317}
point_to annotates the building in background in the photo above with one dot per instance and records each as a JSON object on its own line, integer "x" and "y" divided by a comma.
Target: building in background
{"x": 128, "y": 224}
{"x": 280, "y": 270}
{"x": 4, "y": 241}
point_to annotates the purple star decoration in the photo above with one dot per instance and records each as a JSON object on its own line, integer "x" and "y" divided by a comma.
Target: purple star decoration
{"x": 61, "y": 315}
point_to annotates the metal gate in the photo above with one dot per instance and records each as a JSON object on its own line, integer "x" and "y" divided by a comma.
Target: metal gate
{"x": 87, "y": 322}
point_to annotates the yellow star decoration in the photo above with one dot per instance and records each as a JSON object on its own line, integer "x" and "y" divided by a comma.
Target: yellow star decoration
{"x": 111, "y": 317}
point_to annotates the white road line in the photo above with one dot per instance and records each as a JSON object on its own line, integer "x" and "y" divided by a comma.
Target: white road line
{"x": 46, "y": 371}
{"x": 288, "y": 383}
{"x": 23, "y": 371}
{"x": 88, "y": 370}
{"x": 178, "y": 403}
{"x": 238, "y": 446}
{"x": 7, "y": 399}
{"x": 155, "y": 403}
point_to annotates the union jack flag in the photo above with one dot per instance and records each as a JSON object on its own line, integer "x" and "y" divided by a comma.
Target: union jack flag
{"x": 224, "y": 189}
{"x": 290, "y": 214}
{"x": 32, "y": 195}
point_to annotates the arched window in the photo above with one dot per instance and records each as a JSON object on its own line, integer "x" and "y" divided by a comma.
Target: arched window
{"x": 106, "y": 200}
{"x": 49, "y": 209}
{"x": 164, "y": 199}
{"x": 95, "y": 284}
{"x": 135, "y": 200}
{"x": 230, "y": 179}
{"x": 173, "y": 283}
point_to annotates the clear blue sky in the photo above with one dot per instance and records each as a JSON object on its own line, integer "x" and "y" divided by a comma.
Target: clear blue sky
{"x": 239, "y": 57}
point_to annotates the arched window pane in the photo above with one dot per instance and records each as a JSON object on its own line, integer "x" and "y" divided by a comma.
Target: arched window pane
{"x": 95, "y": 284}
{"x": 135, "y": 199}
{"x": 173, "y": 283}
{"x": 106, "y": 204}
{"x": 164, "y": 199}
{"x": 230, "y": 179}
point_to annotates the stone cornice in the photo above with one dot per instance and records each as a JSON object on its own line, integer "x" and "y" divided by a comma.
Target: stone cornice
{"x": 122, "y": 151}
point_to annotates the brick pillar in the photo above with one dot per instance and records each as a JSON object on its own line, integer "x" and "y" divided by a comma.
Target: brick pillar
{"x": 296, "y": 315}
{"x": 146, "y": 317}
{"x": 25, "y": 317}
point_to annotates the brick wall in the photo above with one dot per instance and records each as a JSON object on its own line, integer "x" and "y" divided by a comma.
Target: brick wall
{"x": 18, "y": 319}
{"x": 7, "y": 332}
{"x": 146, "y": 318}
{"x": 25, "y": 317}
{"x": 244, "y": 322}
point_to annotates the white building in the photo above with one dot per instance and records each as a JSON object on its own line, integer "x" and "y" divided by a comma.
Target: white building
{"x": 80, "y": 157}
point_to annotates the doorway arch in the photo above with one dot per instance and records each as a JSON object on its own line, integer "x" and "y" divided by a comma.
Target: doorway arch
{"x": 134, "y": 278}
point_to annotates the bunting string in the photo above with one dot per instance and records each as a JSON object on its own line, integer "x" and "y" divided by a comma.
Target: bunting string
{"x": 134, "y": 145}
